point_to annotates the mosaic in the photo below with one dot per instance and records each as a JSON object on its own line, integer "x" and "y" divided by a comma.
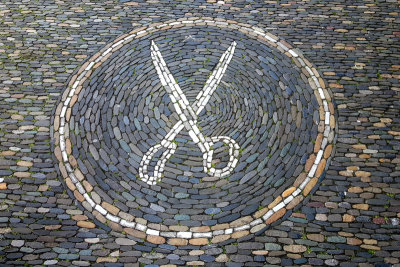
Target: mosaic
{"x": 184, "y": 111}
{"x": 194, "y": 131}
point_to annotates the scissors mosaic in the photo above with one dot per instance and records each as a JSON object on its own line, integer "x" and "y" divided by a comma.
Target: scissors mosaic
{"x": 188, "y": 115}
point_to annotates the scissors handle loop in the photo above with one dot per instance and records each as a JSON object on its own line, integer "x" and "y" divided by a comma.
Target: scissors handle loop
{"x": 233, "y": 156}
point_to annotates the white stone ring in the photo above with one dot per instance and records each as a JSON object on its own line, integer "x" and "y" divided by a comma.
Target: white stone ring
{"x": 188, "y": 119}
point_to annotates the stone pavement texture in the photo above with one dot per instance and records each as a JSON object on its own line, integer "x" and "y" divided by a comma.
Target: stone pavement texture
{"x": 311, "y": 97}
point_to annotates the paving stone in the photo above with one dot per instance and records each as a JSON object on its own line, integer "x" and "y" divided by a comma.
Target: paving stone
{"x": 295, "y": 248}
{"x": 125, "y": 242}
{"x": 272, "y": 246}
{"x": 17, "y": 243}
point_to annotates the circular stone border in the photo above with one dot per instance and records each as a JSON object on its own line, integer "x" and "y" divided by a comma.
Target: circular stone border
{"x": 315, "y": 166}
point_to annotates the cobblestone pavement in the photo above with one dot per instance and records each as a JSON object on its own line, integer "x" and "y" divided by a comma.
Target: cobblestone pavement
{"x": 297, "y": 103}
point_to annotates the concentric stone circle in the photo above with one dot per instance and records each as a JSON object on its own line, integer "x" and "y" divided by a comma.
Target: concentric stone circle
{"x": 285, "y": 197}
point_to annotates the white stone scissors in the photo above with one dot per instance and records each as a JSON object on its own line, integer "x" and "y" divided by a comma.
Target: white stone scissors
{"x": 188, "y": 119}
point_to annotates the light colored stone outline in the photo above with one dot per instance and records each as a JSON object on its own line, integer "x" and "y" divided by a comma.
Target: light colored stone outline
{"x": 156, "y": 233}
{"x": 188, "y": 119}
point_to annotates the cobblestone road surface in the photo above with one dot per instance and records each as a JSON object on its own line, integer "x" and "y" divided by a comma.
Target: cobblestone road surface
{"x": 311, "y": 97}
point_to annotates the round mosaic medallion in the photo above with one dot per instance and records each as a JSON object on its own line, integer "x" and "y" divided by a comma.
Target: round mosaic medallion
{"x": 194, "y": 131}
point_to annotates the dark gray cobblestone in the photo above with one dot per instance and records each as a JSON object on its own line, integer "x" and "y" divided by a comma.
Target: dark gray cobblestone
{"x": 350, "y": 219}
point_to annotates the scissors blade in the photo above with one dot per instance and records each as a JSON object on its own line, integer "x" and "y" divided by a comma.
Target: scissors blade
{"x": 214, "y": 80}
{"x": 168, "y": 81}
